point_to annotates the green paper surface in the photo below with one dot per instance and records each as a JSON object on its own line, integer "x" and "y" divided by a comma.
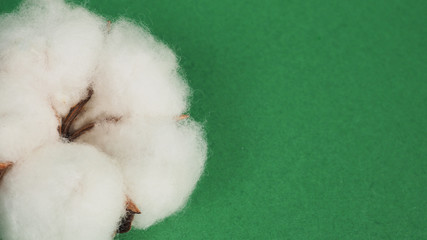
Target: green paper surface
{"x": 315, "y": 114}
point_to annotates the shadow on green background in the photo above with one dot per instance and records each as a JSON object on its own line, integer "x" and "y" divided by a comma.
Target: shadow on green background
{"x": 315, "y": 113}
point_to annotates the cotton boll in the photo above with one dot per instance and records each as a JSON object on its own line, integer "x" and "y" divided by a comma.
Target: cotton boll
{"x": 54, "y": 56}
{"x": 27, "y": 121}
{"x": 62, "y": 191}
{"x": 162, "y": 161}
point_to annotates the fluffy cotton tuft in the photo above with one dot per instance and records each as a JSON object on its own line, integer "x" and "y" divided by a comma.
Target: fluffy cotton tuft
{"x": 161, "y": 162}
{"x": 62, "y": 191}
{"x": 54, "y": 55}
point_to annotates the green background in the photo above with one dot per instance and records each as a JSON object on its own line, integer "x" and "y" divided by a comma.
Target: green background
{"x": 315, "y": 113}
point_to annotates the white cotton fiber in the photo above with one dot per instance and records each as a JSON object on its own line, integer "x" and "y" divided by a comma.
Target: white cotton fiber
{"x": 161, "y": 162}
{"x": 55, "y": 57}
{"x": 57, "y": 45}
{"x": 137, "y": 76}
{"x": 63, "y": 191}
{"x": 23, "y": 127}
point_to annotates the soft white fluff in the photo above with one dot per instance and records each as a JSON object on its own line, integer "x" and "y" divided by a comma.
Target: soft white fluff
{"x": 161, "y": 162}
{"x": 50, "y": 54}
{"x": 62, "y": 191}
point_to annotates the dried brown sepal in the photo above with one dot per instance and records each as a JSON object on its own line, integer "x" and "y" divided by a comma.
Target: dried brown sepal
{"x": 4, "y": 167}
{"x": 81, "y": 131}
{"x": 182, "y": 117}
{"x": 126, "y": 222}
{"x": 64, "y": 129}
{"x": 131, "y": 207}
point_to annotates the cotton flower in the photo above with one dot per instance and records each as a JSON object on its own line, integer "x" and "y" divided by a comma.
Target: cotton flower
{"x": 92, "y": 126}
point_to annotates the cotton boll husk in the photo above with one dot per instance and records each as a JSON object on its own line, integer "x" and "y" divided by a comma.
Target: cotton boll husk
{"x": 26, "y": 120}
{"x": 62, "y": 191}
{"x": 136, "y": 75}
{"x": 161, "y": 161}
{"x": 58, "y": 45}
